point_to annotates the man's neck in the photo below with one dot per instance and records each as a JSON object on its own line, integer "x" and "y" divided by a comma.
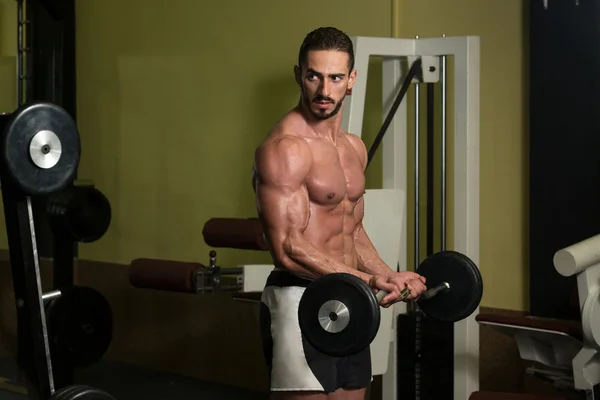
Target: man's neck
{"x": 323, "y": 128}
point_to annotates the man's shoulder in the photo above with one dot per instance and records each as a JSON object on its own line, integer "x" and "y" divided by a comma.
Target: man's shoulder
{"x": 283, "y": 144}
{"x": 355, "y": 140}
{"x": 286, "y": 136}
{"x": 358, "y": 144}
{"x": 283, "y": 153}
{"x": 282, "y": 160}
{"x": 292, "y": 124}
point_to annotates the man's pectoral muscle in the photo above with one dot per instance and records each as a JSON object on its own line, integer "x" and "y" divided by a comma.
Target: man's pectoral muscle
{"x": 282, "y": 165}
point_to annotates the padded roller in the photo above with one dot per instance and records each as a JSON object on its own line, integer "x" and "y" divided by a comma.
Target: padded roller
{"x": 171, "y": 276}
{"x": 235, "y": 233}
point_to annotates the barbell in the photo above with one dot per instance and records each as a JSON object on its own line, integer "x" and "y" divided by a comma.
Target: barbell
{"x": 339, "y": 314}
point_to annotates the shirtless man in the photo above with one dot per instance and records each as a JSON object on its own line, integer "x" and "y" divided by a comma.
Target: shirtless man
{"x": 309, "y": 182}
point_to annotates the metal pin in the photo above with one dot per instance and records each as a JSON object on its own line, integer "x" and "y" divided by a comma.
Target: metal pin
{"x": 51, "y": 295}
{"x": 417, "y": 178}
{"x": 443, "y": 151}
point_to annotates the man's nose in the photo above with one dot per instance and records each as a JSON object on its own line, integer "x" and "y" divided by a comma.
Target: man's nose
{"x": 324, "y": 88}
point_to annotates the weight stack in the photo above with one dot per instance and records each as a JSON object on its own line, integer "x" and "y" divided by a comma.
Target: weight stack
{"x": 425, "y": 354}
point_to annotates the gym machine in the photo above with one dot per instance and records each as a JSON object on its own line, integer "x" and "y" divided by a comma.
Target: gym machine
{"x": 406, "y": 63}
{"x": 435, "y": 54}
{"x": 564, "y": 353}
{"x": 69, "y": 326}
{"x": 40, "y": 151}
{"x": 185, "y": 277}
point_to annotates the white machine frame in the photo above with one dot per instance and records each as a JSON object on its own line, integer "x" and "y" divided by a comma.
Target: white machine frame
{"x": 583, "y": 260}
{"x": 556, "y": 354}
{"x": 466, "y": 167}
{"x": 465, "y": 52}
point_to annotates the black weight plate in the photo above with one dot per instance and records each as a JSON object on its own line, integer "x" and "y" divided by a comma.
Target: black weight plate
{"x": 67, "y": 392}
{"x": 79, "y": 213}
{"x": 363, "y": 310}
{"x": 25, "y": 123}
{"x": 79, "y": 326}
{"x": 466, "y": 286}
{"x": 81, "y": 392}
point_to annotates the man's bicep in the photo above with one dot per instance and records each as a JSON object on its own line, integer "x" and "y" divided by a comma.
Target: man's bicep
{"x": 282, "y": 199}
{"x": 284, "y": 212}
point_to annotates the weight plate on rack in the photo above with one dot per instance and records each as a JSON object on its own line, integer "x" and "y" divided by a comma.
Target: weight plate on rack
{"x": 79, "y": 213}
{"x": 80, "y": 326}
{"x": 81, "y": 392}
{"x": 41, "y": 148}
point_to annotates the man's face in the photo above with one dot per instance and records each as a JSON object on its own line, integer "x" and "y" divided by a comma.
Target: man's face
{"x": 324, "y": 81}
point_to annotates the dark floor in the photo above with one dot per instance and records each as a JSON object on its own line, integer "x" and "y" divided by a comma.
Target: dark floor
{"x": 129, "y": 382}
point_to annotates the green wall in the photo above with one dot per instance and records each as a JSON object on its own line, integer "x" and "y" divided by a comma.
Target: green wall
{"x": 501, "y": 27}
{"x": 174, "y": 96}
{"x": 173, "y": 99}
{"x": 8, "y": 73}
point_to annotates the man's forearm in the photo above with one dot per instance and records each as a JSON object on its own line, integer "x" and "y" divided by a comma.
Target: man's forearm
{"x": 304, "y": 259}
{"x": 368, "y": 258}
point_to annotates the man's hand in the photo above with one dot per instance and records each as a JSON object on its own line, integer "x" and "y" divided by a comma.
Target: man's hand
{"x": 381, "y": 283}
{"x": 406, "y": 279}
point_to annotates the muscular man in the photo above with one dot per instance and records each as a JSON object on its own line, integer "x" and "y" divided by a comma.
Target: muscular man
{"x": 309, "y": 182}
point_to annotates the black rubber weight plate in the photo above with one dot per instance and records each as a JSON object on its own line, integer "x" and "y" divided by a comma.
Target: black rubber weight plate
{"x": 80, "y": 325}
{"x": 358, "y": 297}
{"x": 68, "y": 392}
{"x": 80, "y": 392}
{"x": 23, "y": 125}
{"x": 82, "y": 214}
{"x": 466, "y": 286}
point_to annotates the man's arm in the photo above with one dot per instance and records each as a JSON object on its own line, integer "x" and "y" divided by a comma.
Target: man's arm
{"x": 283, "y": 205}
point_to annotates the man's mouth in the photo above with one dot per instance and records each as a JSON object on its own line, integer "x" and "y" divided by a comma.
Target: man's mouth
{"x": 323, "y": 103}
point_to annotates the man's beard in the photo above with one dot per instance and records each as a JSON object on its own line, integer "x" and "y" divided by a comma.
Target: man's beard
{"x": 322, "y": 114}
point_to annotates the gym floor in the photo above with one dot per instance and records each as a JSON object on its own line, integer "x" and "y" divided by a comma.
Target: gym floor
{"x": 126, "y": 381}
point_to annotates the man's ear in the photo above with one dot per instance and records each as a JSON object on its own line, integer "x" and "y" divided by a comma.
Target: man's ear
{"x": 298, "y": 75}
{"x": 351, "y": 79}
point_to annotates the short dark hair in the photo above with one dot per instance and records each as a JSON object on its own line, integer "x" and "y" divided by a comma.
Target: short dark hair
{"x": 326, "y": 38}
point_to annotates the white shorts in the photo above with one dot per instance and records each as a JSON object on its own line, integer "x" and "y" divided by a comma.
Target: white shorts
{"x": 295, "y": 365}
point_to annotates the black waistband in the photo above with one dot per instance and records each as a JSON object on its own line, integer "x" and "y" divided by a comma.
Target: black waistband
{"x": 286, "y": 278}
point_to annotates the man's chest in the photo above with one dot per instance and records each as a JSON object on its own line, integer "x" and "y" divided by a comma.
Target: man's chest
{"x": 336, "y": 173}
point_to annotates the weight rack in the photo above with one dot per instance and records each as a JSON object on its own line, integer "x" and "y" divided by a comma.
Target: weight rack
{"x": 33, "y": 357}
{"x": 45, "y": 42}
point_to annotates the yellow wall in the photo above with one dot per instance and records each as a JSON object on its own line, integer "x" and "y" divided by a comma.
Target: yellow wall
{"x": 171, "y": 105}
{"x": 8, "y": 77}
{"x": 503, "y": 191}
{"x": 8, "y": 50}
{"x": 173, "y": 99}
{"x": 8, "y": 29}
{"x": 174, "y": 96}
